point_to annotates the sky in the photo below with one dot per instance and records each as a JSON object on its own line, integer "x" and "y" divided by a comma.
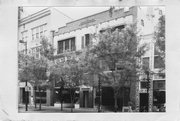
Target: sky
{"x": 73, "y": 12}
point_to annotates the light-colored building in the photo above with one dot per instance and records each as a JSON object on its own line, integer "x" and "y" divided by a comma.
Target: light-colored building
{"x": 31, "y": 29}
{"x": 148, "y": 18}
{"x": 76, "y": 35}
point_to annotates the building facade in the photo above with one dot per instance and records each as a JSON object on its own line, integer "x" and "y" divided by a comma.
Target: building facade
{"x": 76, "y": 35}
{"x": 31, "y": 29}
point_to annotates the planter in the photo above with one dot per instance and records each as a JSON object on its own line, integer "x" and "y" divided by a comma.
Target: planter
{"x": 76, "y": 106}
{"x": 65, "y": 105}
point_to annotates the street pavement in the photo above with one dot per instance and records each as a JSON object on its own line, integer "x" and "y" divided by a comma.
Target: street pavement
{"x": 52, "y": 109}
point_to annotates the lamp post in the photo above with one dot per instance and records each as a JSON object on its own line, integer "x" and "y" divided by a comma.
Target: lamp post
{"x": 26, "y": 87}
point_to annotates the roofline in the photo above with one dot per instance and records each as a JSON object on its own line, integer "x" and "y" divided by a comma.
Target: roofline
{"x": 88, "y": 17}
{"x": 34, "y": 16}
{"x": 35, "y": 13}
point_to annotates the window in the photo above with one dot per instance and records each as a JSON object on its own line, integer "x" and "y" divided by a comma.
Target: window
{"x": 158, "y": 62}
{"x": 60, "y": 47}
{"x": 82, "y": 42}
{"x": 73, "y": 47}
{"x": 33, "y": 34}
{"x": 144, "y": 85}
{"x": 38, "y": 32}
{"x": 35, "y": 52}
{"x": 41, "y": 31}
{"x": 159, "y": 85}
{"x": 87, "y": 39}
{"x": 146, "y": 62}
{"x": 24, "y": 36}
{"x": 160, "y": 12}
{"x": 66, "y": 45}
{"x": 142, "y": 22}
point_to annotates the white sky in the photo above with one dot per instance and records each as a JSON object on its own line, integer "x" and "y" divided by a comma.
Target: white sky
{"x": 73, "y": 12}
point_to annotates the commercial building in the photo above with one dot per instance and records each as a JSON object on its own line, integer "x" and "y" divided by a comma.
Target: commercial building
{"x": 31, "y": 29}
{"x": 76, "y": 35}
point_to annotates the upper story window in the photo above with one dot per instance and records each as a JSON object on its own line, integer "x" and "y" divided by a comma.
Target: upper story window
{"x": 82, "y": 42}
{"x": 38, "y": 32}
{"x": 66, "y": 45}
{"x": 24, "y": 35}
{"x": 145, "y": 62}
{"x": 35, "y": 51}
{"x": 143, "y": 84}
{"x": 85, "y": 41}
{"x": 158, "y": 60}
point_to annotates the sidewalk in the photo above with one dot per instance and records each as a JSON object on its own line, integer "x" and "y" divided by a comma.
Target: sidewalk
{"x": 52, "y": 109}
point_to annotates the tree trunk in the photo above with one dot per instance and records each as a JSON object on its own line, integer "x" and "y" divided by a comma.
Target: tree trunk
{"x": 115, "y": 103}
{"x": 61, "y": 105}
{"x": 61, "y": 98}
{"x": 123, "y": 97}
{"x": 40, "y": 99}
{"x": 35, "y": 98}
{"x": 71, "y": 106}
{"x": 71, "y": 100}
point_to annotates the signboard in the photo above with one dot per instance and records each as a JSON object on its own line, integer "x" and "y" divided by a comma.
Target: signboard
{"x": 143, "y": 91}
{"x": 87, "y": 22}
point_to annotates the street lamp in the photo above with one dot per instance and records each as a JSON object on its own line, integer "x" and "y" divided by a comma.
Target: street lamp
{"x": 26, "y": 87}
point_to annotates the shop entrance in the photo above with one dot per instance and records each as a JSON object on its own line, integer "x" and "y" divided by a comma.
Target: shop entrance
{"x": 144, "y": 102}
{"x": 85, "y": 99}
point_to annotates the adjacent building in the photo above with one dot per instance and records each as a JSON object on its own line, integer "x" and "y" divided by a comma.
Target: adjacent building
{"x": 31, "y": 29}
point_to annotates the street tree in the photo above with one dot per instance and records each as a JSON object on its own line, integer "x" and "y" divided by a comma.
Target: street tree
{"x": 73, "y": 76}
{"x": 34, "y": 69}
{"x": 57, "y": 75}
{"x": 159, "y": 36}
{"x": 117, "y": 54}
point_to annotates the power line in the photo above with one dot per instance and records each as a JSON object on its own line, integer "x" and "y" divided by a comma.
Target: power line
{"x": 63, "y": 13}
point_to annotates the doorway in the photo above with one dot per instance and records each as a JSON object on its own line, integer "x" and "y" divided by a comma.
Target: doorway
{"x": 144, "y": 102}
{"x": 85, "y": 99}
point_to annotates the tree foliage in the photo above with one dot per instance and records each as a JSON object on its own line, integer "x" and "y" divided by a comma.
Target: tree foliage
{"x": 159, "y": 36}
{"x": 116, "y": 56}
